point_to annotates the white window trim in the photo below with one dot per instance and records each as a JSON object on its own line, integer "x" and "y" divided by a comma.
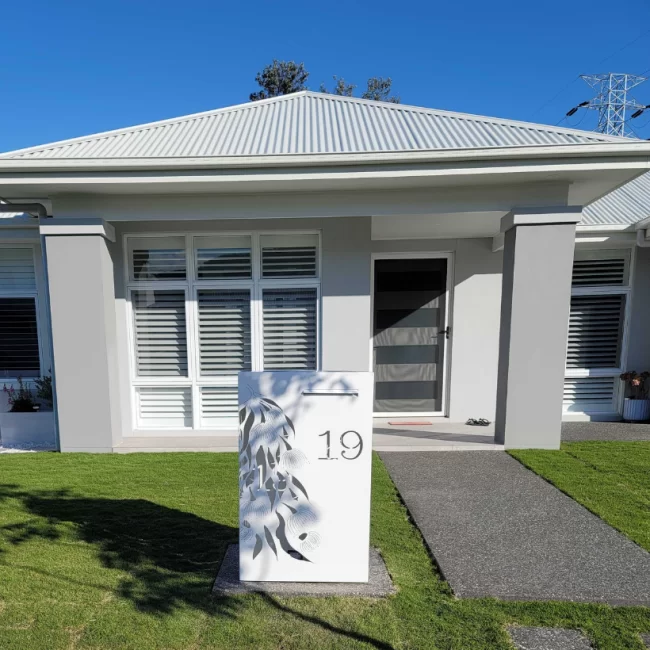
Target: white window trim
{"x": 256, "y": 284}
{"x": 609, "y": 290}
{"x": 42, "y": 357}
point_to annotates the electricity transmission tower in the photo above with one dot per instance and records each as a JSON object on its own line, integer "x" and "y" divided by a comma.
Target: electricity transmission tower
{"x": 612, "y": 101}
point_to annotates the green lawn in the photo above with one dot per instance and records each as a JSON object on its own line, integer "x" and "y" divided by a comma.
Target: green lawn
{"x": 111, "y": 551}
{"x": 612, "y": 479}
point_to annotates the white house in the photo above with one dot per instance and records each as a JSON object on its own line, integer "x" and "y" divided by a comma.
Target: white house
{"x": 447, "y": 252}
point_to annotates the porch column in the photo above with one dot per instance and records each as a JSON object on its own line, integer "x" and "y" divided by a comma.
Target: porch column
{"x": 535, "y": 303}
{"x": 82, "y": 307}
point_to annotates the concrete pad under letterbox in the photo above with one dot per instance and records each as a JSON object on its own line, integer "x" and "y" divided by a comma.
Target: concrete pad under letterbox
{"x": 227, "y": 583}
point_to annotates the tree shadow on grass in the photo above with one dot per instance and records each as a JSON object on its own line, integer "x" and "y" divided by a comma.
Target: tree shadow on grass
{"x": 171, "y": 557}
{"x": 350, "y": 634}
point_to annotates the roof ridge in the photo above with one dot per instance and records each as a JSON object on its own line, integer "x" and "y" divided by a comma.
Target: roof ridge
{"x": 247, "y": 106}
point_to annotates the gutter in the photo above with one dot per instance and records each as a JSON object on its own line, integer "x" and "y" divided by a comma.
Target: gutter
{"x": 605, "y": 150}
{"x": 29, "y": 208}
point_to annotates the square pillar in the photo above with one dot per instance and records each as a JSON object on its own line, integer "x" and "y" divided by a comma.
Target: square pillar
{"x": 82, "y": 307}
{"x": 535, "y": 305}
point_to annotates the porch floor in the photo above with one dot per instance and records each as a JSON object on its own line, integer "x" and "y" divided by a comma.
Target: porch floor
{"x": 438, "y": 436}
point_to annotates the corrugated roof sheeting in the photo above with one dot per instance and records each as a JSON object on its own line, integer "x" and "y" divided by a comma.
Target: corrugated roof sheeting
{"x": 309, "y": 123}
{"x": 627, "y": 205}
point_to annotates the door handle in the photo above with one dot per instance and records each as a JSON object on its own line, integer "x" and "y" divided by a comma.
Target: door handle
{"x": 447, "y": 332}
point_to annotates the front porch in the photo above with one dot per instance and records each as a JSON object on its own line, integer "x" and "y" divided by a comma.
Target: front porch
{"x": 432, "y": 435}
{"x": 438, "y": 436}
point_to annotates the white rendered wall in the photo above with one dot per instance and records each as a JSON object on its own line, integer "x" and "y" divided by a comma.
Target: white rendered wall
{"x": 638, "y": 351}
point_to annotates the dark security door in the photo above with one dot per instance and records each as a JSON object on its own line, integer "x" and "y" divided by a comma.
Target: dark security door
{"x": 409, "y": 335}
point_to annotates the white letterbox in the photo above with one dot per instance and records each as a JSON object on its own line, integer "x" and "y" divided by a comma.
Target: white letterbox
{"x": 305, "y": 446}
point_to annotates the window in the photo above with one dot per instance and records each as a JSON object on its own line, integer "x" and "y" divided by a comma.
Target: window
{"x": 160, "y": 332}
{"x": 289, "y": 329}
{"x": 204, "y": 307}
{"x": 19, "y": 342}
{"x": 599, "y": 301}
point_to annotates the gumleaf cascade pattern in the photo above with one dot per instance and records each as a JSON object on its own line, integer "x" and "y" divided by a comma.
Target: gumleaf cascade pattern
{"x": 275, "y": 506}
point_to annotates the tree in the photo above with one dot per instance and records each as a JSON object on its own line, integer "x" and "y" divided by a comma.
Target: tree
{"x": 340, "y": 87}
{"x": 286, "y": 77}
{"x": 280, "y": 78}
{"x": 378, "y": 89}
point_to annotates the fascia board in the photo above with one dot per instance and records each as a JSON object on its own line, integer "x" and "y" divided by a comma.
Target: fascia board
{"x": 604, "y": 150}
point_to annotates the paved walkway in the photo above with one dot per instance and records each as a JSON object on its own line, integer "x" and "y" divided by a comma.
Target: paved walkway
{"x": 619, "y": 431}
{"x": 497, "y": 529}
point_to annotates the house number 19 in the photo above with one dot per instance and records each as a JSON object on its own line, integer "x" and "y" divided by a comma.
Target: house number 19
{"x": 348, "y": 450}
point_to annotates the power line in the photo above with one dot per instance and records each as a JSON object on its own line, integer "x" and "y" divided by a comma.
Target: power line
{"x": 550, "y": 101}
{"x": 632, "y": 42}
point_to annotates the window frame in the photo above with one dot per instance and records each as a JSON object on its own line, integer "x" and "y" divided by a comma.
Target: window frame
{"x": 606, "y": 290}
{"x": 191, "y": 285}
{"x": 35, "y": 294}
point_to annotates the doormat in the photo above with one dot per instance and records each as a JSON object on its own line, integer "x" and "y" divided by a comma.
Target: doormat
{"x": 379, "y": 583}
{"x": 410, "y": 423}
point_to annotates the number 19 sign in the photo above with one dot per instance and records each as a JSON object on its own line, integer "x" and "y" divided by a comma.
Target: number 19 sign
{"x": 305, "y": 441}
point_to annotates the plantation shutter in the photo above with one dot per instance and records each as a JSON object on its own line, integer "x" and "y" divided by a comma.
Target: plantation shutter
{"x": 590, "y": 392}
{"x": 595, "y": 331}
{"x": 607, "y": 268}
{"x": 224, "y": 331}
{"x": 19, "y": 348}
{"x": 219, "y": 406}
{"x": 165, "y": 406}
{"x": 160, "y": 332}
{"x": 289, "y": 323}
{"x": 17, "y": 269}
{"x": 289, "y": 256}
{"x": 19, "y": 353}
{"x": 223, "y": 258}
{"x": 153, "y": 259}
{"x": 600, "y": 285}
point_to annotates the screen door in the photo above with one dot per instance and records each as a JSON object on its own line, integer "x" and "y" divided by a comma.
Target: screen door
{"x": 409, "y": 330}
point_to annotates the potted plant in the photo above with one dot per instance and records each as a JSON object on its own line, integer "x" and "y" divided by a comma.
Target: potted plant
{"x": 30, "y": 420}
{"x": 637, "y": 404}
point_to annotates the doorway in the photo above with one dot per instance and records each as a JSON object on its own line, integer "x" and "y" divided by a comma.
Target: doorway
{"x": 410, "y": 334}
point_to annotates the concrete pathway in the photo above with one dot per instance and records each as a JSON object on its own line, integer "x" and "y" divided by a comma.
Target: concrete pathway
{"x": 497, "y": 529}
{"x": 617, "y": 431}
{"x": 548, "y": 638}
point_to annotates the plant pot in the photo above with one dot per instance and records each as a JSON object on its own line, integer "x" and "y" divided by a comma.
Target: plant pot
{"x": 27, "y": 429}
{"x": 636, "y": 410}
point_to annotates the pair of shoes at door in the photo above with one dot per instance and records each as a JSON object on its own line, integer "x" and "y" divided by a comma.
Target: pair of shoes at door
{"x": 481, "y": 422}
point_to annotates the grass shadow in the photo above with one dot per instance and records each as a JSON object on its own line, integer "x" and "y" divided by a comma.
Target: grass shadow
{"x": 171, "y": 557}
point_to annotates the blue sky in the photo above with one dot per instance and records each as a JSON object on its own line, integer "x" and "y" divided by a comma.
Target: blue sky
{"x": 71, "y": 68}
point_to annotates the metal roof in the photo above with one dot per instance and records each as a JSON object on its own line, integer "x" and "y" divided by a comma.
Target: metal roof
{"x": 625, "y": 206}
{"x": 309, "y": 123}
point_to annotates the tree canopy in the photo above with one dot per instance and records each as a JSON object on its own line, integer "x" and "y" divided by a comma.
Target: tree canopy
{"x": 286, "y": 77}
{"x": 280, "y": 78}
